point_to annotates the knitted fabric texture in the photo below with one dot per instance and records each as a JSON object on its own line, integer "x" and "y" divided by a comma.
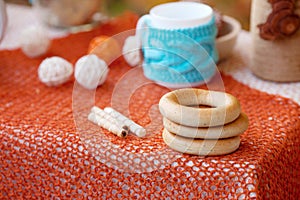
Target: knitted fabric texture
{"x": 179, "y": 55}
{"x": 45, "y": 155}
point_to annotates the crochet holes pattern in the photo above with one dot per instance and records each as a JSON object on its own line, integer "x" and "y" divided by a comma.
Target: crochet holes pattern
{"x": 43, "y": 155}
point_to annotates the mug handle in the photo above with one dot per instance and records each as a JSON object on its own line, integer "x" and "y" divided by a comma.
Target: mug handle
{"x": 141, "y": 24}
{"x": 3, "y": 18}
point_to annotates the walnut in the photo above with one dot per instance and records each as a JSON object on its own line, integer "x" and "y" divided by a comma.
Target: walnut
{"x": 55, "y": 71}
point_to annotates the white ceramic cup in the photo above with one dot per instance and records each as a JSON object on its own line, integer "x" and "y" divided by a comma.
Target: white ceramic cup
{"x": 166, "y": 23}
{"x": 3, "y": 18}
{"x": 177, "y": 15}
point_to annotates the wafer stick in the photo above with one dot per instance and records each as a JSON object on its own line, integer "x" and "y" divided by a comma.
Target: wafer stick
{"x": 133, "y": 127}
{"x": 107, "y": 124}
{"x": 109, "y": 117}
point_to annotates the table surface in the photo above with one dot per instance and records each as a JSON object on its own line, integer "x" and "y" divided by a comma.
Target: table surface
{"x": 20, "y": 17}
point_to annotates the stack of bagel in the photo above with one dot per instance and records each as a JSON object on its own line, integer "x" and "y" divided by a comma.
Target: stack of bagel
{"x": 202, "y": 122}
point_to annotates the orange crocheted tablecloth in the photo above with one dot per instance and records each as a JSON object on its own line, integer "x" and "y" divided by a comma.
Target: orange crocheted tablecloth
{"x": 49, "y": 150}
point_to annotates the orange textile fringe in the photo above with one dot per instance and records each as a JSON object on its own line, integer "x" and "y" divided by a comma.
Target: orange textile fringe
{"x": 46, "y": 153}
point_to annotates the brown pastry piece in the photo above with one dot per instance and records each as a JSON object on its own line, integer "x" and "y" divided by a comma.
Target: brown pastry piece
{"x": 275, "y": 1}
{"x": 276, "y": 18}
{"x": 265, "y": 32}
{"x": 283, "y": 5}
{"x": 289, "y": 25}
{"x": 282, "y": 21}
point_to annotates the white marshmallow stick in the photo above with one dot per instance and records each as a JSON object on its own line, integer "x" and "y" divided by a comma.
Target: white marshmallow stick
{"x": 133, "y": 127}
{"x": 103, "y": 122}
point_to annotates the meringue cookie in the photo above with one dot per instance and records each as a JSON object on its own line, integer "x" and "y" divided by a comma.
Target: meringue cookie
{"x": 91, "y": 71}
{"x": 34, "y": 41}
{"x": 132, "y": 51}
{"x": 55, "y": 71}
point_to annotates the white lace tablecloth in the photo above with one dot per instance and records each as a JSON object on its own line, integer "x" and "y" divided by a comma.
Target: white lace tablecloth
{"x": 20, "y": 17}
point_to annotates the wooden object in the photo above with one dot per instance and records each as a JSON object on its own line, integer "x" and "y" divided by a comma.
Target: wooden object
{"x": 275, "y": 56}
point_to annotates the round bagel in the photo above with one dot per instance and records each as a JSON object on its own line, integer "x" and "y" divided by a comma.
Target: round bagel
{"x": 178, "y": 106}
{"x": 201, "y": 147}
{"x": 232, "y": 129}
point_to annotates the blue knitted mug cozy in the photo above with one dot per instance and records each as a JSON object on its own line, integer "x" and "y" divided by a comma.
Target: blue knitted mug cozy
{"x": 179, "y": 57}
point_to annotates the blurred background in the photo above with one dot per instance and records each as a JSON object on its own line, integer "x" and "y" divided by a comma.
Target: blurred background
{"x": 239, "y": 9}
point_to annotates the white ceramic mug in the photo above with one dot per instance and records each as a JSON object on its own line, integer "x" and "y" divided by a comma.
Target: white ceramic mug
{"x": 178, "y": 44}
{"x": 3, "y": 18}
{"x": 177, "y": 15}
